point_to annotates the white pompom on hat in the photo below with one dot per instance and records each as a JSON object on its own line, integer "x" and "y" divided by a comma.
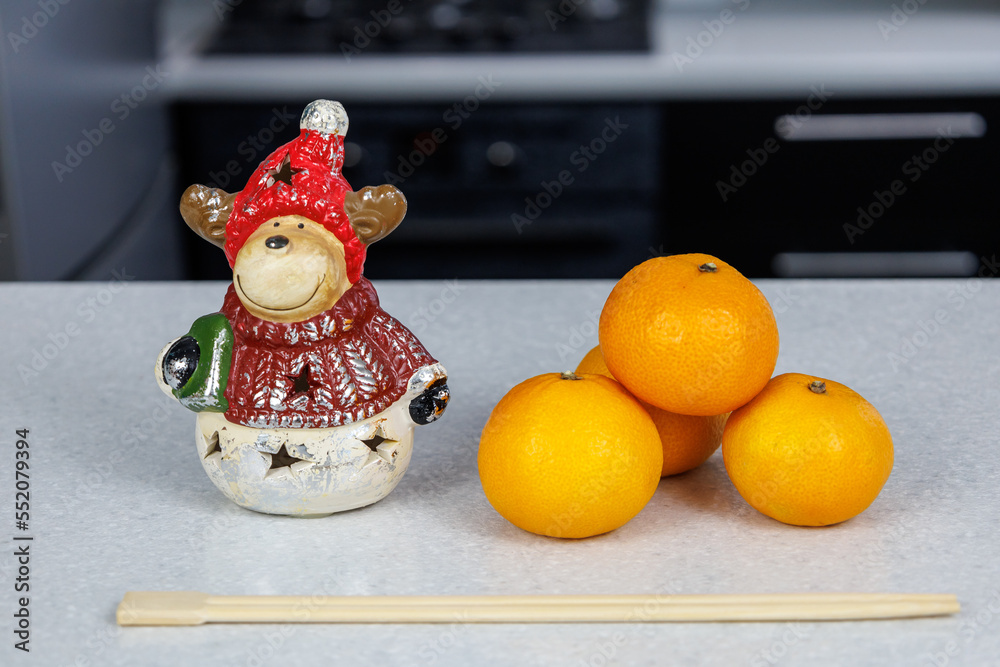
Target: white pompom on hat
{"x": 325, "y": 116}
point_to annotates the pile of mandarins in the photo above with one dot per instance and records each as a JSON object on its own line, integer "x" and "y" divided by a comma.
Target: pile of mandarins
{"x": 687, "y": 349}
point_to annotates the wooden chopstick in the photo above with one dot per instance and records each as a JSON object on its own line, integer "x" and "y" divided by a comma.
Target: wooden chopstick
{"x": 192, "y": 608}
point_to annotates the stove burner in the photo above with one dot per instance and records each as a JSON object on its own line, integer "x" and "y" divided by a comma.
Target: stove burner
{"x": 355, "y": 27}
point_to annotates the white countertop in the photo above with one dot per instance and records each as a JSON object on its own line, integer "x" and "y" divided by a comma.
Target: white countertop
{"x": 120, "y": 502}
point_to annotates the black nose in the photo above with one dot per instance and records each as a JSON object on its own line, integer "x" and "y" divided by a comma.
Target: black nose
{"x": 276, "y": 242}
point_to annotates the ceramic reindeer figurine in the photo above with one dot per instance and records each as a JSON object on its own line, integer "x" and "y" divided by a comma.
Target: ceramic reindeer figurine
{"x": 307, "y": 392}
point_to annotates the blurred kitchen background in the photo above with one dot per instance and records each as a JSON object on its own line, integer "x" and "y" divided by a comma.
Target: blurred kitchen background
{"x": 532, "y": 138}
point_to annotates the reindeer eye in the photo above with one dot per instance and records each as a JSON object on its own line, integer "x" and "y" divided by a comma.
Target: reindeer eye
{"x": 301, "y": 225}
{"x": 277, "y": 224}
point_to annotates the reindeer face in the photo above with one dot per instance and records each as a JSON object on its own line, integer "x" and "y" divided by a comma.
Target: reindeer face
{"x": 290, "y": 269}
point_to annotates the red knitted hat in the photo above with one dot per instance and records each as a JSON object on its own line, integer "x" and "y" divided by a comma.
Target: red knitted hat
{"x": 301, "y": 178}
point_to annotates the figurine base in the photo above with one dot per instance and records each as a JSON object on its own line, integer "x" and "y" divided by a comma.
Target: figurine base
{"x": 307, "y": 472}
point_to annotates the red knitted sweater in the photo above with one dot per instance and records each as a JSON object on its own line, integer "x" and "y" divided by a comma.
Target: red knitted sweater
{"x": 346, "y": 364}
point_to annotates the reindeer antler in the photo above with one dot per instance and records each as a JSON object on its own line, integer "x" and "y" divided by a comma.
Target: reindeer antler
{"x": 374, "y": 211}
{"x": 206, "y": 210}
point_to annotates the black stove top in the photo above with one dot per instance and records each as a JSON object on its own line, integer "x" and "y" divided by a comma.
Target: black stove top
{"x": 355, "y": 27}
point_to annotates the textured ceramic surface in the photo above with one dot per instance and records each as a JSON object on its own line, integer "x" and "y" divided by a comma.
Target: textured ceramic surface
{"x": 315, "y": 471}
{"x": 307, "y": 392}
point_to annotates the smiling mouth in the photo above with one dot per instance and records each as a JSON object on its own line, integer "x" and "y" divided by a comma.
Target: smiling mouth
{"x": 240, "y": 284}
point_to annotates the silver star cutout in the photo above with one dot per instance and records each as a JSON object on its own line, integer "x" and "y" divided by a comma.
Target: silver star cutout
{"x": 382, "y": 447}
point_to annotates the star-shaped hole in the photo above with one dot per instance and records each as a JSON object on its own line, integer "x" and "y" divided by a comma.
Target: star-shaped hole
{"x": 382, "y": 447}
{"x": 283, "y": 174}
{"x": 282, "y": 459}
{"x": 374, "y": 441}
{"x": 213, "y": 445}
{"x": 301, "y": 383}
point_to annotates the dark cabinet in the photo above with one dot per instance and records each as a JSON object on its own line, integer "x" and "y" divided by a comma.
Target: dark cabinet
{"x": 816, "y": 186}
{"x": 732, "y": 185}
